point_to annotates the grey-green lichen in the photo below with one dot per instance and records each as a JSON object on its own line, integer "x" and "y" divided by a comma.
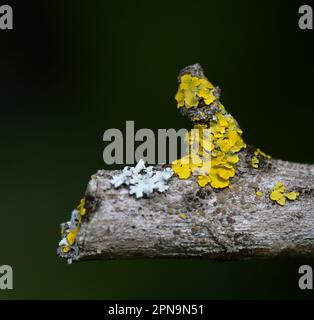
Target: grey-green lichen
{"x": 141, "y": 180}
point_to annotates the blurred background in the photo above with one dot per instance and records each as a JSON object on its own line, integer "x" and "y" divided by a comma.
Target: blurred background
{"x": 72, "y": 69}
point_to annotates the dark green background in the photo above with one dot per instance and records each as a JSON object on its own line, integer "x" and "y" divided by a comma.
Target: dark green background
{"x": 72, "y": 69}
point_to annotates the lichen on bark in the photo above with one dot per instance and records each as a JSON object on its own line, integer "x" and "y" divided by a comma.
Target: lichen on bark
{"x": 230, "y": 212}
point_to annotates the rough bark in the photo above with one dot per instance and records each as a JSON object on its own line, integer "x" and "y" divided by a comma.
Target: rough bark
{"x": 219, "y": 224}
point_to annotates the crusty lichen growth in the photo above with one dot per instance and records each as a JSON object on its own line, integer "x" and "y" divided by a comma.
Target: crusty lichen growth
{"x": 192, "y": 90}
{"x": 255, "y": 162}
{"x": 279, "y": 195}
{"x": 259, "y": 193}
{"x": 70, "y": 229}
{"x": 142, "y": 181}
{"x": 256, "y": 159}
{"x": 219, "y": 136}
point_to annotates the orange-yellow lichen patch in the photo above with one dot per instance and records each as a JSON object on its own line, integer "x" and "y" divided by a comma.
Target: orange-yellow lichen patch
{"x": 182, "y": 216}
{"x": 259, "y": 193}
{"x": 258, "y": 152}
{"x": 81, "y": 207}
{"x": 70, "y": 229}
{"x": 182, "y": 169}
{"x": 66, "y": 249}
{"x": 278, "y": 194}
{"x": 193, "y": 89}
{"x": 255, "y": 162}
{"x": 292, "y": 195}
{"x": 72, "y": 236}
{"x": 216, "y": 144}
{"x": 189, "y": 164}
{"x": 203, "y": 180}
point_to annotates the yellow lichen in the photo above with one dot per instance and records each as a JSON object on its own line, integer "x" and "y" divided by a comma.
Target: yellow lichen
{"x": 256, "y": 159}
{"x": 278, "y": 194}
{"x": 81, "y": 207}
{"x": 255, "y": 162}
{"x": 259, "y": 193}
{"x": 258, "y": 152}
{"x": 192, "y": 89}
{"x": 182, "y": 168}
{"x": 182, "y": 216}
{"x": 70, "y": 234}
{"x": 66, "y": 249}
{"x": 214, "y": 144}
{"x": 292, "y": 195}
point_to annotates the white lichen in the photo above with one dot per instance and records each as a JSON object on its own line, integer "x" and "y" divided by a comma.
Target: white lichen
{"x": 142, "y": 180}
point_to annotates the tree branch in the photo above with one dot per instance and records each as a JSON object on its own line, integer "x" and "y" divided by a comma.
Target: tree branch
{"x": 219, "y": 224}
{"x": 188, "y": 220}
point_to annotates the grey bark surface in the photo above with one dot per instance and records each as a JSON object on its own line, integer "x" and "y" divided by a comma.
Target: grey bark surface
{"x": 218, "y": 224}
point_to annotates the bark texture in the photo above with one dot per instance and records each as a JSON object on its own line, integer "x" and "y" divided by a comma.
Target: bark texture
{"x": 219, "y": 224}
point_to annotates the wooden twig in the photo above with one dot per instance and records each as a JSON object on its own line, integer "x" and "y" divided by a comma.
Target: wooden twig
{"x": 223, "y": 224}
{"x": 193, "y": 221}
